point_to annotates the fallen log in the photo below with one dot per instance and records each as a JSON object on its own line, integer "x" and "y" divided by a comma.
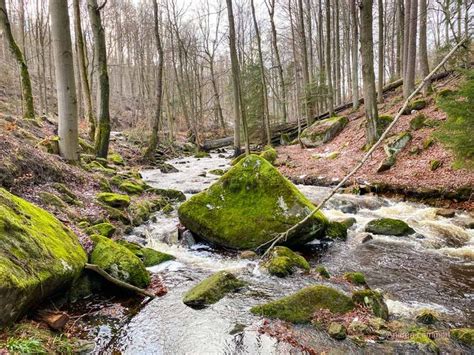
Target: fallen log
{"x": 118, "y": 282}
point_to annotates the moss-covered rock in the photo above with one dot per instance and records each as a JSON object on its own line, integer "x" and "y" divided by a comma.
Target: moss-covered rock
{"x": 323, "y": 131}
{"x": 269, "y": 154}
{"x": 150, "y": 257}
{"x": 427, "y": 316}
{"x": 418, "y": 122}
{"x": 300, "y": 306}
{"x": 104, "y": 185}
{"x": 383, "y": 123}
{"x": 248, "y": 205}
{"x": 337, "y": 331}
{"x": 323, "y": 272}
{"x": 424, "y": 342}
{"x": 132, "y": 187}
{"x": 116, "y": 158}
{"x": 141, "y": 210}
{"x": 170, "y": 194}
{"x": 435, "y": 164}
{"x": 98, "y": 167}
{"x": 202, "y": 154}
{"x": 119, "y": 262}
{"x": 389, "y": 226}
{"x": 394, "y": 144}
{"x": 51, "y": 199}
{"x": 38, "y": 256}
{"x": 336, "y": 230}
{"x": 428, "y": 142}
{"x": 167, "y": 209}
{"x": 236, "y": 160}
{"x": 463, "y": 335}
{"x": 105, "y": 229}
{"x": 212, "y": 289}
{"x": 218, "y": 172}
{"x": 372, "y": 299}
{"x": 283, "y": 261}
{"x": 86, "y": 147}
{"x": 114, "y": 200}
{"x": 415, "y": 105}
{"x": 357, "y": 278}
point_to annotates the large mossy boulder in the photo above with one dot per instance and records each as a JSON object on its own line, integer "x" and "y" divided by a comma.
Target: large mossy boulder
{"x": 38, "y": 256}
{"x": 323, "y": 131}
{"x": 300, "y": 306}
{"x": 389, "y": 226}
{"x": 283, "y": 262}
{"x": 247, "y": 206}
{"x": 119, "y": 261}
{"x": 212, "y": 289}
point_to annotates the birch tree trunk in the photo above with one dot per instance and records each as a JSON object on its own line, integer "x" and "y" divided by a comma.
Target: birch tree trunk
{"x": 103, "y": 127}
{"x": 65, "y": 85}
{"x": 26, "y": 92}
{"x": 368, "y": 76}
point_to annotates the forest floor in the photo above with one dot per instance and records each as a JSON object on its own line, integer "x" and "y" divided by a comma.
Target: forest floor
{"x": 411, "y": 174}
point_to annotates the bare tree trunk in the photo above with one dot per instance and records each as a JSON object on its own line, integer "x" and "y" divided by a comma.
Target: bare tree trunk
{"x": 65, "y": 85}
{"x": 380, "y": 53}
{"x": 103, "y": 127}
{"x": 81, "y": 58}
{"x": 424, "y": 66}
{"x": 328, "y": 59}
{"x": 26, "y": 92}
{"x": 152, "y": 144}
{"x": 266, "y": 114}
{"x": 409, "y": 79}
{"x": 400, "y": 33}
{"x": 238, "y": 102}
{"x": 368, "y": 76}
{"x": 355, "y": 55}
{"x": 304, "y": 56}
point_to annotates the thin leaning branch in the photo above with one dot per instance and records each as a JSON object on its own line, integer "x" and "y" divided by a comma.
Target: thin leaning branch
{"x": 283, "y": 236}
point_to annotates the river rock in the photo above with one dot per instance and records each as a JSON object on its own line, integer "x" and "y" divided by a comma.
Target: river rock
{"x": 114, "y": 200}
{"x": 364, "y": 237}
{"x": 38, "y": 256}
{"x": 247, "y": 206}
{"x": 337, "y": 331}
{"x": 323, "y": 131}
{"x": 446, "y": 212}
{"x": 336, "y": 230}
{"x": 372, "y": 299}
{"x": 300, "y": 306}
{"x": 389, "y": 226}
{"x": 248, "y": 255}
{"x": 463, "y": 335}
{"x": 283, "y": 261}
{"x": 119, "y": 261}
{"x": 212, "y": 289}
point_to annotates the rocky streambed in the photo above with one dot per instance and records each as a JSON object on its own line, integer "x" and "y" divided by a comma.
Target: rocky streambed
{"x": 431, "y": 268}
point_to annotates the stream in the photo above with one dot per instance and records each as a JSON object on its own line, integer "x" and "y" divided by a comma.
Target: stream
{"x": 430, "y": 269}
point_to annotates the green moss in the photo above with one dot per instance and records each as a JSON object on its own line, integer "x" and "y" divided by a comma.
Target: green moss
{"x": 50, "y": 144}
{"x": 51, "y": 199}
{"x": 104, "y": 185}
{"x": 141, "y": 210}
{"x": 389, "y": 226}
{"x": 132, "y": 187}
{"x": 428, "y": 142}
{"x": 323, "y": 131}
{"x": 415, "y": 105}
{"x": 418, "y": 122}
{"x": 444, "y": 93}
{"x": 247, "y": 206}
{"x": 153, "y": 257}
{"x": 218, "y": 172}
{"x": 427, "y": 316}
{"x": 114, "y": 200}
{"x": 170, "y": 194}
{"x": 435, "y": 164}
{"x": 337, "y": 331}
{"x": 212, "y": 289}
{"x": 269, "y": 154}
{"x": 119, "y": 262}
{"x": 116, "y": 159}
{"x": 114, "y": 214}
{"x": 167, "y": 209}
{"x": 236, "y": 160}
{"x": 357, "y": 278}
{"x": 86, "y": 147}
{"x": 372, "y": 299}
{"x": 463, "y": 335}
{"x": 38, "y": 255}
{"x": 323, "y": 272}
{"x": 425, "y": 341}
{"x": 336, "y": 230}
{"x": 282, "y": 261}
{"x": 96, "y": 166}
{"x": 202, "y": 154}
{"x": 105, "y": 229}
{"x": 300, "y": 306}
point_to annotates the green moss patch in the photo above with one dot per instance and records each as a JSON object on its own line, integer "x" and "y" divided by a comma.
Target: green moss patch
{"x": 357, "y": 278}
{"x": 212, "y": 289}
{"x": 418, "y": 122}
{"x": 105, "y": 229}
{"x": 132, "y": 187}
{"x": 336, "y": 230}
{"x": 218, "y": 172}
{"x": 269, "y": 154}
{"x": 425, "y": 342}
{"x": 51, "y": 199}
{"x": 300, "y": 306}
{"x": 323, "y": 131}
{"x": 247, "y": 206}
{"x": 283, "y": 261}
{"x": 114, "y": 200}
{"x": 170, "y": 194}
{"x": 202, "y": 154}
{"x": 38, "y": 255}
{"x": 389, "y": 226}
{"x": 116, "y": 159}
{"x": 372, "y": 299}
{"x": 427, "y": 316}
{"x": 150, "y": 257}
{"x": 323, "y": 272}
{"x": 463, "y": 335}
{"x": 119, "y": 262}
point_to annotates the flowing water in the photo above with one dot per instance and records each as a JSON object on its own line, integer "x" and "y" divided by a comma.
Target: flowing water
{"x": 431, "y": 269}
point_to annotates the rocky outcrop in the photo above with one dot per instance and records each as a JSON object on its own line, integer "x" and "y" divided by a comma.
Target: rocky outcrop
{"x": 323, "y": 131}
{"x": 247, "y": 206}
{"x": 38, "y": 256}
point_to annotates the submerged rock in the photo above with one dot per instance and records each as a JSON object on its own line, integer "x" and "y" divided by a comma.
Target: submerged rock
{"x": 119, "y": 262}
{"x": 212, "y": 289}
{"x": 300, "y": 306}
{"x": 247, "y": 206}
{"x": 283, "y": 261}
{"x": 38, "y": 256}
{"x": 323, "y": 131}
{"x": 389, "y": 226}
